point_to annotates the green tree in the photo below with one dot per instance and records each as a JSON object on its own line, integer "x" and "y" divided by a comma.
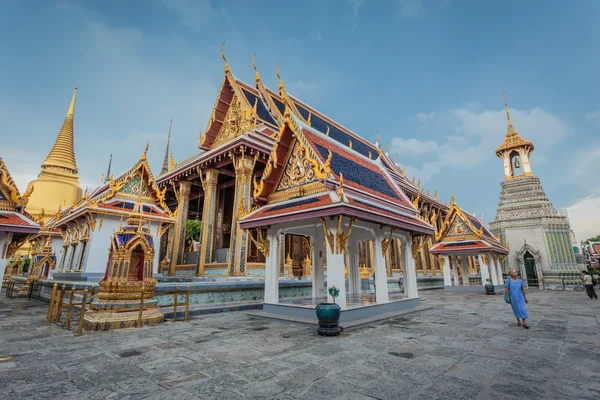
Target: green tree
{"x": 593, "y": 239}
{"x": 193, "y": 231}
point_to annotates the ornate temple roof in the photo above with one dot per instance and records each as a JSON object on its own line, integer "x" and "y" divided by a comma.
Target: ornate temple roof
{"x": 120, "y": 194}
{"x": 62, "y": 154}
{"x": 313, "y": 175}
{"x": 13, "y": 217}
{"x": 512, "y": 140}
{"x": 463, "y": 232}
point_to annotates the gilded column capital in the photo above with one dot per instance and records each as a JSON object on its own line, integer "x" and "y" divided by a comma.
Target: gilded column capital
{"x": 184, "y": 188}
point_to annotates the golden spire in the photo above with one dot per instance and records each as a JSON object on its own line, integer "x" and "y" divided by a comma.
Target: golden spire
{"x": 226, "y": 69}
{"x": 257, "y": 76}
{"x": 280, "y": 85}
{"x": 146, "y": 151}
{"x": 511, "y": 130}
{"x": 63, "y": 152}
{"x": 165, "y": 166}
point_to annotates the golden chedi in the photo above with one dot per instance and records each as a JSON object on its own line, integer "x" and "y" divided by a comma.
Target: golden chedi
{"x": 57, "y": 184}
{"x": 128, "y": 277}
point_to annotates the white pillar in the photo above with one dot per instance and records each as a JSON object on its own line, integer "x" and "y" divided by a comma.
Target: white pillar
{"x": 335, "y": 273}
{"x": 272, "y": 269}
{"x": 410, "y": 273}
{"x": 499, "y": 272}
{"x": 455, "y": 271}
{"x": 485, "y": 272}
{"x": 4, "y": 236}
{"x": 464, "y": 269}
{"x": 446, "y": 267}
{"x": 493, "y": 274}
{"x": 353, "y": 268}
{"x": 381, "y": 288}
{"x": 318, "y": 272}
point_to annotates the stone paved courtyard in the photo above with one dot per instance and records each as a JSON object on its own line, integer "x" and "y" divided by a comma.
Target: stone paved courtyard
{"x": 467, "y": 346}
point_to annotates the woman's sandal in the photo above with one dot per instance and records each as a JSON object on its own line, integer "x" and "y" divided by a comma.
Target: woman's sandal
{"x": 525, "y": 326}
{"x": 518, "y": 324}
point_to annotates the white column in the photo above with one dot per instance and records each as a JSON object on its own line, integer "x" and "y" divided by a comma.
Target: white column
{"x": 353, "y": 269}
{"x": 499, "y": 272}
{"x": 3, "y": 239}
{"x": 493, "y": 274}
{"x": 272, "y": 269}
{"x": 455, "y": 271}
{"x": 318, "y": 272}
{"x": 381, "y": 288}
{"x": 335, "y": 273}
{"x": 464, "y": 269}
{"x": 446, "y": 267}
{"x": 485, "y": 272}
{"x": 410, "y": 273}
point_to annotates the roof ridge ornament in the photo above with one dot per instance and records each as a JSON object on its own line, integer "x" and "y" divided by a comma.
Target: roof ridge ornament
{"x": 256, "y": 76}
{"x": 226, "y": 69}
{"x": 511, "y": 130}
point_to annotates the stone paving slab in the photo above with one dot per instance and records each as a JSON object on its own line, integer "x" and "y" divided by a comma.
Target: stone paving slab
{"x": 466, "y": 347}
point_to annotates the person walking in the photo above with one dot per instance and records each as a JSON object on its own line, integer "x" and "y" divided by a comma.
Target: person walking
{"x": 588, "y": 283}
{"x": 401, "y": 281}
{"x": 517, "y": 298}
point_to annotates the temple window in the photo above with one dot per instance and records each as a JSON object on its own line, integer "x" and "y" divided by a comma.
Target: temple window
{"x": 82, "y": 255}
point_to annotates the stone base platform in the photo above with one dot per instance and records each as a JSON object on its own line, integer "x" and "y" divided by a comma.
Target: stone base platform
{"x": 122, "y": 314}
{"x": 498, "y": 289}
{"x": 350, "y": 318}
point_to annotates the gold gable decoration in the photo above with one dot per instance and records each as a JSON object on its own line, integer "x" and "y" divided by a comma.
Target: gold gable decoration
{"x": 238, "y": 120}
{"x": 298, "y": 170}
{"x": 458, "y": 228}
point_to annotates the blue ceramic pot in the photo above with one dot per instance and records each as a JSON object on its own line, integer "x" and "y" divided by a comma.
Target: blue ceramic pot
{"x": 328, "y": 315}
{"x": 489, "y": 289}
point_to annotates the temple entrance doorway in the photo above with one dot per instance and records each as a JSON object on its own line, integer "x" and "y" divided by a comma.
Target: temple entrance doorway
{"x": 530, "y": 270}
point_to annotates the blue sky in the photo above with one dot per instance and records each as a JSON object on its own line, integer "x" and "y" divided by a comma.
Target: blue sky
{"x": 428, "y": 75}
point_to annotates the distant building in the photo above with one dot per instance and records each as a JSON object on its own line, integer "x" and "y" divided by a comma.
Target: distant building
{"x": 539, "y": 237}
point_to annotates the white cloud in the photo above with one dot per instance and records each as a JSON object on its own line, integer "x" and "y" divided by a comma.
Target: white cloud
{"x": 194, "y": 14}
{"x": 585, "y": 216}
{"x": 467, "y": 138}
{"x": 413, "y": 146}
{"x": 594, "y": 117}
{"x": 409, "y": 9}
{"x": 355, "y": 5}
{"x": 301, "y": 86}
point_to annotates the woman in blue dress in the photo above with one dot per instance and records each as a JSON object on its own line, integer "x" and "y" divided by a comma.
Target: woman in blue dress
{"x": 517, "y": 298}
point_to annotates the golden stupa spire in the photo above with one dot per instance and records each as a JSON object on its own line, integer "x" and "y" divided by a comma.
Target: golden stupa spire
{"x": 511, "y": 130}
{"x": 165, "y": 166}
{"x": 62, "y": 154}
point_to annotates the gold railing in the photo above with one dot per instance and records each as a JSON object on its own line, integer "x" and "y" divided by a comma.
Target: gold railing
{"x": 57, "y": 300}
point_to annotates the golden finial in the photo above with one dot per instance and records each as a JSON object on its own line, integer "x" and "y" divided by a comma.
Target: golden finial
{"x": 256, "y": 76}
{"x": 416, "y": 200}
{"x": 340, "y": 190}
{"x": 146, "y": 151}
{"x": 350, "y": 143}
{"x": 419, "y": 184}
{"x": 404, "y": 172}
{"x": 435, "y": 195}
{"x": 102, "y": 177}
{"x": 510, "y": 125}
{"x": 224, "y": 59}
{"x": 378, "y": 137}
{"x": 327, "y": 132}
{"x": 280, "y": 86}
{"x": 171, "y": 162}
{"x": 452, "y": 201}
{"x": 308, "y": 119}
{"x": 474, "y": 210}
{"x": 413, "y": 181}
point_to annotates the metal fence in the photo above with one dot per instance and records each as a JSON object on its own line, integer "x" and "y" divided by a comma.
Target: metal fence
{"x": 57, "y": 303}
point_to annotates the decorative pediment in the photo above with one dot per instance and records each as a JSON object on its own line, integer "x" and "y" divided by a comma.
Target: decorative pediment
{"x": 238, "y": 120}
{"x": 136, "y": 187}
{"x": 298, "y": 171}
{"x": 459, "y": 228}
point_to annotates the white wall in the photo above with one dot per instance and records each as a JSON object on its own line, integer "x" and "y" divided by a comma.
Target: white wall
{"x": 534, "y": 236}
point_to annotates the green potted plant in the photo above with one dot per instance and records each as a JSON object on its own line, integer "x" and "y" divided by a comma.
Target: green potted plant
{"x": 489, "y": 287}
{"x": 328, "y": 315}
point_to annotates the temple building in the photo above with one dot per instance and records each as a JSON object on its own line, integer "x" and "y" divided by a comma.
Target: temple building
{"x": 470, "y": 254}
{"x": 539, "y": 237}
{"x": 15, "y": 223}
{"x": 57, "y": 184}
{"x": 85, "y": 228}
{"x": 221, "y": 183}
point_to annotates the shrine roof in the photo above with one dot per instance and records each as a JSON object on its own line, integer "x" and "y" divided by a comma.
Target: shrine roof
{"x": 462, "y": 246}
{"x": 331, "y": 204}
{"x": 358, "y": 172}
{"x": 14, "y": 221}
